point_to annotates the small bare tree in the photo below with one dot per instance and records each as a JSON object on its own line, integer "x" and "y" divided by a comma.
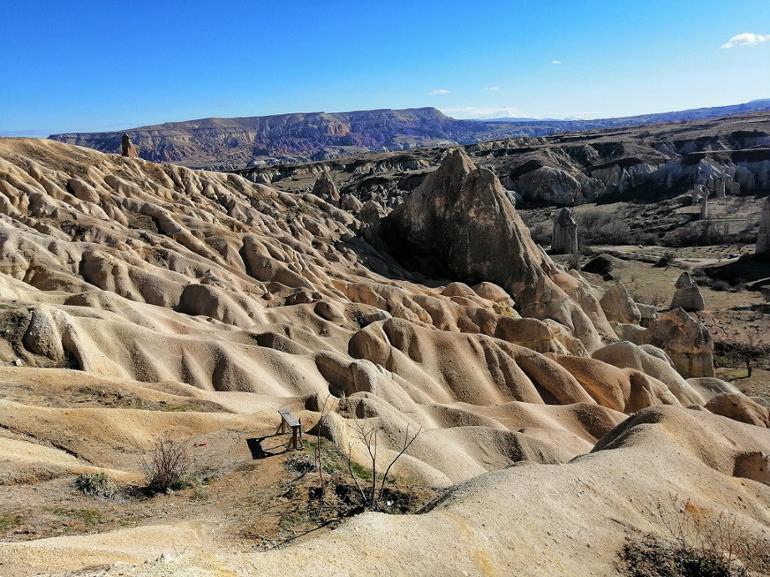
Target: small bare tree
{"x": 318, "y": 452}
{"x": 752, "y": 341}
{"x": 573, "y": 263}
{"x": 368, "y": 435}
{"x": 167, "y": 465}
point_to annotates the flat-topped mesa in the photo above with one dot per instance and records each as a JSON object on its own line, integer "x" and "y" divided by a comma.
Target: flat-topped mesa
{"x": 127, "y": 147}
{"x": 460, "y": 223}
{"x": 763, "y": 240}
{"x": 325, "y": 188}
{"x": 565, "y": 233}
{"x": 687, "y": 295}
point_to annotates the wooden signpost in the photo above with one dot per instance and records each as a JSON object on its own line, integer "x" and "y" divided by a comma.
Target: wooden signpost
{"x": 288, "y": 419}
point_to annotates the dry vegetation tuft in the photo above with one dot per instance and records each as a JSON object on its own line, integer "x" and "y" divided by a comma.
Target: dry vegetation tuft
{"x": 696, "y": 545}
{"x": 168, "y": 465}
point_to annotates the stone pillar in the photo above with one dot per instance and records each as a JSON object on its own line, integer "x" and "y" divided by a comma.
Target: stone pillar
{"x": 127, "y": 147}
{"x": 763, "y": 240}
{"x": 704, "y": 203}
{"x": 565, "y": 234}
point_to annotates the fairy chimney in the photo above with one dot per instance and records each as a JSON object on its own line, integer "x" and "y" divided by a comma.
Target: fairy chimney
{"x": 128, "y": 148}
{"x": 565, "y": 234}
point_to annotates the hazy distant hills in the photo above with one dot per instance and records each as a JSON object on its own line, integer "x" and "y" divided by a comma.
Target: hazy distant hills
{"x": 300, "y": 137}
{"x": 569, "y": 125}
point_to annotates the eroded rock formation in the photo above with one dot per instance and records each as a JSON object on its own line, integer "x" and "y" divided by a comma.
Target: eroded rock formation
{"x": 206, "y": 301}
{"x": 565, "y": 233}
{"x": 619, "y": 307}
{"x": 686, "y": 341}
{"x": 460, "y": 222}
{"x": 687, "y": 295}
{"x": 325, "y": 188}
{"x": 127, "y": 147}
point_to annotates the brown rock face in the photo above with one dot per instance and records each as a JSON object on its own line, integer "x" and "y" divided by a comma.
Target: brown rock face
{"x": 127, "y": 147}
{"x": 565, "y": 233}
{"x": 461, "y": 223}
{"x": 687, "y": 295}
{"x": 350, "y": 202}
{"x": 325, "y": 188}
{"x": 686, "y": 341}
{"x": 619, "y": 306}
{"x": 740, "y": 408}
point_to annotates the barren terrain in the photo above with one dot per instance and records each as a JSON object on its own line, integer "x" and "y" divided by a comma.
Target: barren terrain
{"x": 555, "y": 424}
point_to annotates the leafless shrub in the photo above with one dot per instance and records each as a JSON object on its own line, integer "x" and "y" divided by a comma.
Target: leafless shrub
{"x": 167, "y": 466}
{"x": 666, "y": 260}
{"x": 318, "y": 450}
{"x": 367, "y": 433}
{"x": 542, "y": 232}
{"x": 697, "y": 545}
{"x": 657, "y": 300}
{"x": 299, "y": 463}
{"x": 752, "y": 341}
{"x": 704, "y": 233}
{"x": 599, "y": 227}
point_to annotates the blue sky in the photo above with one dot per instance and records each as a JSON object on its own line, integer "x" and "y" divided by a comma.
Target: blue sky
{"x": 87, "y": 65}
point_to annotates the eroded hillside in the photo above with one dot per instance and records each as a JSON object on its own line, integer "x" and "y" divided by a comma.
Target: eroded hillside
{"x": 728, "y": 156}
{"x": 208, "y": 302}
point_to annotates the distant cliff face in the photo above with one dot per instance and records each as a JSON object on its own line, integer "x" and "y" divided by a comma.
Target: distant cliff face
{"x": 648, "y": 163}
{"x": 237, "y": 142}
{"x": 233, "y": 143}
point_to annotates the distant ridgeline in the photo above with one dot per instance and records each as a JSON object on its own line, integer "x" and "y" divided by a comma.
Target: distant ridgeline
{"x": 726, "y": 156}
{"x": 228, "y": 143}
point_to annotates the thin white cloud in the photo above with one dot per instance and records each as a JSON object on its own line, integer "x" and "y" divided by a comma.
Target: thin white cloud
{"x": 438, "y": 91}
{"x": 555, "y": 61}
{"x": 492, "y": 88}
{"x": 746, "y": 39}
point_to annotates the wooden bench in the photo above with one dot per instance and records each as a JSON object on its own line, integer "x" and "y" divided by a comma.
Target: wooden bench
{"x": 289, "y": 420}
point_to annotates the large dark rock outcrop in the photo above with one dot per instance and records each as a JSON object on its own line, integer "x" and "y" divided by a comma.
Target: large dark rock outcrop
{"x": 127, "y": 147}
{"x": 460, "y": 223}
{"x": 565, "y": 233}
{"x": 687, "y": 295}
